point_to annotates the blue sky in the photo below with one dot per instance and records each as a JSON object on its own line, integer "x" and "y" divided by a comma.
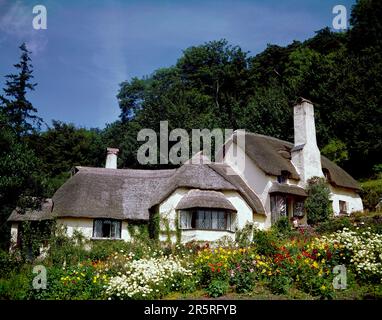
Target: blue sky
{"x": 91, "y": 46}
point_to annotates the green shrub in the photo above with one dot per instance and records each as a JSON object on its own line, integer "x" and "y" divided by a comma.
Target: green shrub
{"x": 243, "y": 236}
{"x": 17, "y": 285}
{"x": 279, "y": 284}
{"x": 371, "y": 193}
{"x": 102, "y": 249}
{"x": 65, "y": 251}
{"x": 217, "y": 288}
{"x": 282, "y": 227}
{"x": 333, "y": 225}
{"x": 317, "y": 204}
{"x": 8, "y": 263}
{"x": 265, "y": 242}
{"x": 243, "y": 281}
{"x": 72, "y": 283}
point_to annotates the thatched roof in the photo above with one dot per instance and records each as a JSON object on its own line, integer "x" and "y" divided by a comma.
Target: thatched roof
{"x": 130, "y": 194}
{"x": 337, "y": 176}
{"x": 211, "y": 176}
{"x": 109, "y": 193}
{"x": 288, "y": 189}
{"x": 274, "y": 156}
{"x": 270, "y": 154}
{"x": 246, "y": 192}
{"x": 196, "y": 198}
{"x": 45, "y": 213}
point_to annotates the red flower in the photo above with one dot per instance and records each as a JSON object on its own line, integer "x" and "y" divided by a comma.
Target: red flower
{"x": 212, "y": 269}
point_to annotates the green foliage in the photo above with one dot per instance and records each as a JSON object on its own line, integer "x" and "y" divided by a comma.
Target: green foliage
{"x": 279, "y": 284}
{"x": 244, "y": 236}
{"x": 167, "y": 230}
{"x": 243, "y": 281}
{"x": 318, "y": 205}
{"x": 265, "y": 242}
{"x": 8, "y": 263}
{"x": 336, "y": 151}
{"x": 138, "y": 231}
{"x": 154, "y": 226}
{"x": 217, "y": 288}
{"x": 282, "y": 226}
{"x": 333, "y": 225}
{"x": 178, "y": 231}
{"x": 21, "y": 182}
{"x": 371, "y": 193}
{"x": 367, "y": 27}
{"x": 14, "y": 103}
{"x": 16, "y": 285}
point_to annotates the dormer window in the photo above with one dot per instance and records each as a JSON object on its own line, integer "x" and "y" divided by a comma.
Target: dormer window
{"x": 326, "y": 173}
{"x": 283, "y": 178}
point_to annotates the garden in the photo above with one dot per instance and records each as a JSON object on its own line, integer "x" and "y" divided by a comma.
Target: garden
{"x": 337, "y": 259}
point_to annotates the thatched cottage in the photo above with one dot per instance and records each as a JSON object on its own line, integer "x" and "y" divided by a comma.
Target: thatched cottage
{"x": 202, "y": 201}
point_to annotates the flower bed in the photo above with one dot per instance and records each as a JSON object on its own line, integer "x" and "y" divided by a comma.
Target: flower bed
{"x": 301, "y": 263}
{"x": 362, "y": 251}
{"x": 147, "y": 278}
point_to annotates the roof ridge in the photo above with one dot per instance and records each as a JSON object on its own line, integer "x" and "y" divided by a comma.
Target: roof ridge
{"x": 268, "y": 137}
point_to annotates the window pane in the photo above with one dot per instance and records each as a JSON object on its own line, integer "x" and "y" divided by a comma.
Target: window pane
{"x": 222, "y": 220}
{"x": 199, "y": 221}
{"x": 228, "y": 221}
{"x": 298, "y": 209}
{"x": 214, "y": 220}
{"x": 97, "y": 230}
{"x": 208, "y": 219}
{"x": 116, "y": 229}
{"x": 282, "y": 205}
{"x": 106, "y": 228}
{"x": 185, "y": 219}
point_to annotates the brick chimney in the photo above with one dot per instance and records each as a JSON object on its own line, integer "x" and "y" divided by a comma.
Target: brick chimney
{"x": 111, "y": 158}
{"x": 306, "y": 156}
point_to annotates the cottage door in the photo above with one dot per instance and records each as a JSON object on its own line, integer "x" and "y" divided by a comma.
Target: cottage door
{"x": 278, "y": 207}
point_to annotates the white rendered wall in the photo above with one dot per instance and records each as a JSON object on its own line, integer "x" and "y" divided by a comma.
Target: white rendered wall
{"x": 85, "y": 226}
{"x": 354, "y": 201}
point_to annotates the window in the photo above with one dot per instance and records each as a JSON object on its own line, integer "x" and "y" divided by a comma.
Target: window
{"x": 326, "y": 173}
{"x": 298, "y": 208}
{"x": 343, "y": 207}
{"x": 107, "y": 228}
{"x": 283, "y": 178}
{"x": 206, "y": 219}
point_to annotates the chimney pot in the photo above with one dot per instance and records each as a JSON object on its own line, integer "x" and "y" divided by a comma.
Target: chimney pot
{"x": 111, "y": 158}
